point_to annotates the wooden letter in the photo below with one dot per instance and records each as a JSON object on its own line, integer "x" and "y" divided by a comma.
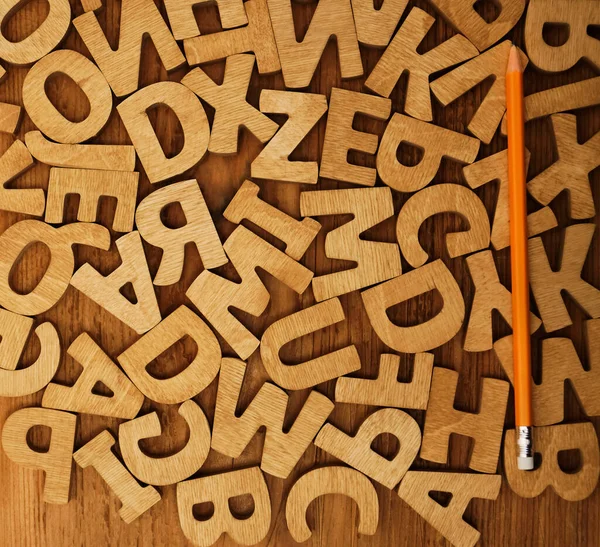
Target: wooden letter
{"x": 304, "y": 110}
{"x": 297, "y": 235}
{"x": 135, "y": 499}
{"x": 214, "y": 295}
{"x": 548, "y": 442}
{"x": 106, "y": 157}
{"x": 56, "y": 462}
{"x": 183, "y": 22}
{"x": 376, "y": 261}
{"x": 105, "y": 291}
{"x": 462, "y": 15}
{"x": 435, "y": 143}
{"x": 495, "y": 168}
{"x": 139, "y": 18}
{"x": 560, "y": 362}
{"x": 14, "y": 332}
{"x": 489, "y": 295}
{"x": 199, "y": 229}
{"x": 232, "y": 433}
{"x": 89, "y": 79}
{"x": 90, "y": 185}
{"x": 56, "y": 278}
{"x": 189, "y": 382}
{"x": 357, "y": 452}
{"x": 299, "y": 60}
{"x": 42, "y": 40}
{"x": 456, "y": 83}
{"x": 331, "y": 480}
{"x": 340, "y": 137}
{"x": 232, "y": 111}
{"x": 577, "y": 15}
{"x": 317, "y": 370}
{"x": 10, "y": 116}
{"x": 191, "y": 116}
{"x": 547, "y": 284}
{"x": 416, "y": 486}
{"x": 167, "y": 469}
{"x": 13, "y": 162}
{"x": 386, "y": 390}
{"x": 219, "y": 489}
{"x": 559, "y": 99}
{"x": 256, "y": 37}
{"x": 438, "y": 199}
{"x": 485, "y": 427}
{"x": 401, "y": 56}
{"x": 424, "y": 336}
{"x": 571, "y": 171}
{"x": 126, "y": 400}
{"x": 374, "y": 27}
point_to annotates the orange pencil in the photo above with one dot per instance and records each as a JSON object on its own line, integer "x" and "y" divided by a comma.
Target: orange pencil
{"x": 518, "y": 257}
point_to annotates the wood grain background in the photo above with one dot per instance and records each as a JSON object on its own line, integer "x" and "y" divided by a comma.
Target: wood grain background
{"x": 91, "y": 518}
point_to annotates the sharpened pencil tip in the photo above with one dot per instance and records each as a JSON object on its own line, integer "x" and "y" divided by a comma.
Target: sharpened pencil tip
{"x": 514, "y": 63}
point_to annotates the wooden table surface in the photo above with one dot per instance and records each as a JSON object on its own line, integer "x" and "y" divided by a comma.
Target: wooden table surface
{"x": 91, "y": 517}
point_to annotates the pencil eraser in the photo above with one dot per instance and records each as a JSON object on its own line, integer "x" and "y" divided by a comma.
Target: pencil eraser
{"x": 525, "y": 463}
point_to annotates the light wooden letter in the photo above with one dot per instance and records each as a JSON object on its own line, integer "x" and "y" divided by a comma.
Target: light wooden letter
{"x": 331, "y": 480}
{"x": 256, "y": 36}
{"x": 167, "y": 469}
{"x": 214, "y": 295}
{"x": 426, "y": 335}
{"x": 401, "y": 56}
{"x": 485, "y": 426}
{"x": 356, "y": 450}
{"x": 56, "y": 278}
{"x": 548, "y": 442}
{"x": 232, "y": 111}
{"x": 232, "y": 433}
{"x": 560, "y": 362}
{"x": 304, "y": 110}
{"x": 577, "y": 15}
{"x": 30, "y": 201}
{"x": 189, "y": 382}
{"x": 191, "y": 116}
{"x": 462, "y": 15}
{"x": 448, "y": 521}
{"x": 297, "y": 235}
{"x": 317, "y": 370}
{"x": 376, "y": 261}
{"x": 434, "y": 142}
{"x": 386, "y": 390}
{"x": 139, "y": 18}
{"x": 183, "y": 22}
{"x": 374, "y": 27}
{"x": 56, "y": 462}
{"x": 88, "y": 78}
{"x": 571, "y": 171}
{"x": 439, "y": 199}
{"x": 299, "y": 60}
{"x": 492, "y": 62}
{"x": 199, "y": 229}
{"x": 547, "y": 285}
{"x": 340, "y": 137}
{"x": 495, "y": 168}
{"x": 135, "y": 499}
{"x": 90, "y": 185}
{"x": 489, "y": 295}
{"x": 42, "y": 40}
{"x": 125, "y": 401}
{"x": 142, "y": 315}
{"x": 219, "y": 489}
